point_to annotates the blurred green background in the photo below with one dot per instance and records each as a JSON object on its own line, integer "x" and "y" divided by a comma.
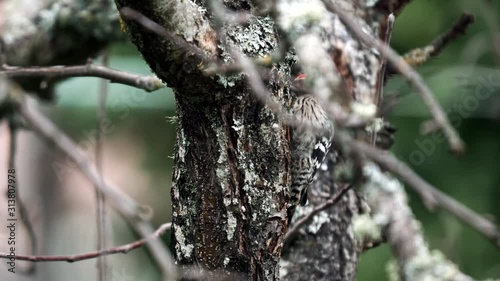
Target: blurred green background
{"x": 465, "y": 78}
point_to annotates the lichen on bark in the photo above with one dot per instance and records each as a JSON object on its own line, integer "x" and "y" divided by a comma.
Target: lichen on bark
{"x": 232, "y": 159}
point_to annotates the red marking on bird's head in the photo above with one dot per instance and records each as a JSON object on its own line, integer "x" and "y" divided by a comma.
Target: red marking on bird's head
{"x": 301, "y": 76}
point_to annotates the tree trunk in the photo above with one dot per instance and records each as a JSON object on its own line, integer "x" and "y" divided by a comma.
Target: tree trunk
{"x": 231, "y": 167}
{"x": 232, "y": 153}
{"x": 326, "y": 248}
{"x": 232, "y": 156}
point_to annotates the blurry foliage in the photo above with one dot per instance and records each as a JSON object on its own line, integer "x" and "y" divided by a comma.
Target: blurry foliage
{"x": 473, "y": 179}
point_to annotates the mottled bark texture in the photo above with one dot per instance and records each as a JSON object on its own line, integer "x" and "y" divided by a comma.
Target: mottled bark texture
{"x": 232, "y": 156}
{"x": 232, "y": 153}
{"x": 326, "y": 248}
{"x": 231, "y": 167}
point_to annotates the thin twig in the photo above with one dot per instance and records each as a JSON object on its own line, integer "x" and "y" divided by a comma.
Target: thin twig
{"x": 456, "y": 144}
{"x": 421, "y": 55}
{"x": 101, "y": 220}
{"x": 23, "y": 211}
{"x": 124, "y": 249}
{"x": 147, "y": 83}
{"x": 459, "y": 28}
{"x": 383, "y": 63}
{"x": 125, "y": 205}
{"x": 293, "y": 231}
{"x": 379, "y": 96}
{"x": 431, "y": 196}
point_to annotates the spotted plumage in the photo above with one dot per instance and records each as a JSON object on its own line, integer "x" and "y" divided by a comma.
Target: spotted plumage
{"x": 310, "y": 142}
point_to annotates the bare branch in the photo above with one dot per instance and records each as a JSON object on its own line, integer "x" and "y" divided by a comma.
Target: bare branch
{"x": 23, "y": 211}
{"x": 386, "y": 197}
{"x": 147, "y": 83}
{"x": 125, "y": 205}
{"x": 100, "y": 206}
{"x": 459, "y": 28}
{"x": 431, "y": 196}
{"x": 456, "y": 144}
{"x": 419, "y": 56}
{"x": 381, "y": 75}
{"x": 124, "y": 249}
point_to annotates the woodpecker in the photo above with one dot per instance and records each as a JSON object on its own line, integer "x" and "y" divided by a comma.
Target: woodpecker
{"x": 311, "y": 138}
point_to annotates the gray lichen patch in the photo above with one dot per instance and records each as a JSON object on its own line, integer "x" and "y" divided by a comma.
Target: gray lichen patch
{"x": 182, "y": 246}
{"x": 229, "y": 81}
{"x": 318, "y": 222}
{"x": 186, "y": 19}
{"x": 256, "y": 185}
{"x": 366, "y": 229}
{"x": 428, "y": 266}
{"x": 250, "y": 178}
{"x": 182, "y": 144}
{"x": 226, "y": 261}
{"x": 256, "y": 39}
{"x": 231, "y": 225}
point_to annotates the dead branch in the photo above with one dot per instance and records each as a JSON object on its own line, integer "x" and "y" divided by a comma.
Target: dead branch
{"x": 403, "y": 233}
{"x": 432, "y": 197}
{"x": 124, "y": 249}
{"x": 125, "y": 205}
{"x": 147, "y": 83}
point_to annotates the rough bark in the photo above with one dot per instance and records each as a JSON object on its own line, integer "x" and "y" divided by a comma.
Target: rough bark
{"x": 232, "y": 154}
{"x": 326, "y": 248}
{"x": 231, "y": 167}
